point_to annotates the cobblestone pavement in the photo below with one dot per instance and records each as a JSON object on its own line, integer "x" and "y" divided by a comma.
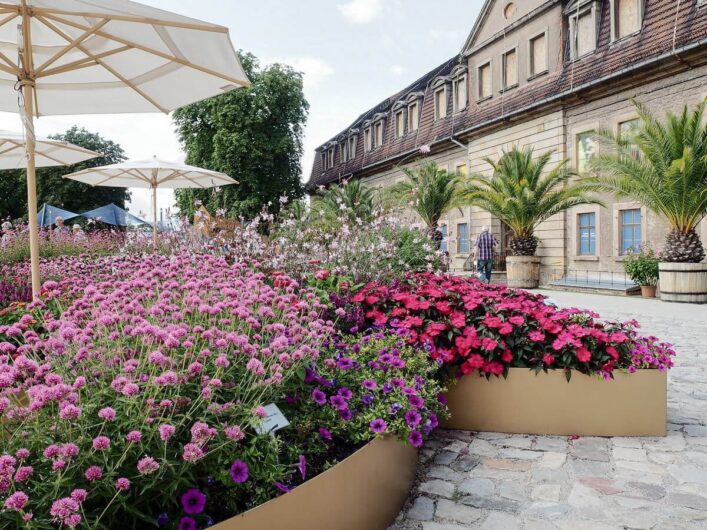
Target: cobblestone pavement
{"x": 495, "y": 481}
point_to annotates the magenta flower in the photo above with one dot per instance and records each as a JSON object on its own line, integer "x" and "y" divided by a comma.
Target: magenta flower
{"x": 192, "y": 452}
{"x": 134, "y": 436}
{"x": 101, "y": 443}
{"x": 166, "y": 431}
{"x": 413, "y": 418}
{"x": 318, "y": 397}
{"x": 325, "y": 434}
{"x": 415, "y": 439}
{"x": 107, "y": 414}
{"x": 122, "y": 484}
{"x": 147, "y": 465}
{"x": 302, "y": 466}
{"x": 193, "y": 501}
{"x": 16, "y": 501}
{"x": 239, "y": 471}
{"x": 187, "y": 523}
{"x": 369, "y": 384}
{"x": 93, "y": 473}
{"x": 378, "y": 426}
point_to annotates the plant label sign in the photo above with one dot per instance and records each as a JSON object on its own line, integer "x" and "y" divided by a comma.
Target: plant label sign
{"x": 273, "y": 421}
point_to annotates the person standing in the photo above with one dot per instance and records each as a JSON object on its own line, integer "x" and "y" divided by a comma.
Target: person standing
{"x": 483, "y": 251}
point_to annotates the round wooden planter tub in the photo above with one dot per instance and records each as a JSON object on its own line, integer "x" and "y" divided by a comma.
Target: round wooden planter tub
{"x": 363, "y": 492}
{"x": 523, "y": 272}
{"x": 683, "y": 282}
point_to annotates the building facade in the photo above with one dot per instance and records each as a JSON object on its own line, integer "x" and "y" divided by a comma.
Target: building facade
{"x": 544, "y": 74}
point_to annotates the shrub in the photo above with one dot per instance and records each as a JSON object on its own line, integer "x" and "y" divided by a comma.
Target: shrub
{"x": 643, "y": 267}
{"x": 53, "y": 243}
{"x": 470, "y": 326}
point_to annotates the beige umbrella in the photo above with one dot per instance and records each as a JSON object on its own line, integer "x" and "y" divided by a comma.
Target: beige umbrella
{"x": 102, "y": 57}
{"x": 152, "y": 174}
{"x": 48, "y": 152}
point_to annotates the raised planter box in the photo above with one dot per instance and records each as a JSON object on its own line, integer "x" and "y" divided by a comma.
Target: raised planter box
{"x": 683, "y": 282}
{"x": 364, "y": 491}
{"x": 523, "y": 272}
{"x": 526, "y": 403}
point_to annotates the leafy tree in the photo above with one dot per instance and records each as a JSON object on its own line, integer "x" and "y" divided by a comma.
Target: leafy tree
{"x": 253, "y": 134}
{"x": 61, "y": 192}
{"x": 518, "y": 194}
{"x": 431, "y": 192}
{"x": 663, "y": 165}
{"x": 352, "y": 198}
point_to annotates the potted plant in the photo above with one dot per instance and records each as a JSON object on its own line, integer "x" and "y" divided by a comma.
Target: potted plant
{"x": 643, "y": 268}
{"x": 523, "y": 193}
{"x": 663, "y": 166}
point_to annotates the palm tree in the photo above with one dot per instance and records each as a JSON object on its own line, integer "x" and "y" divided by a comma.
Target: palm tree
{"x": 520, "y": 194}
{"x": 351, "y": 198}
{"x": 431, "y": 192}
{"x": 663, "y": 165}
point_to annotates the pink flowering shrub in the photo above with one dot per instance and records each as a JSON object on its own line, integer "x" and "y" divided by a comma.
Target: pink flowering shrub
{"x": 368, "y": 386}
{"x": 148, "y": 380}
{"x": 472, "y": 326}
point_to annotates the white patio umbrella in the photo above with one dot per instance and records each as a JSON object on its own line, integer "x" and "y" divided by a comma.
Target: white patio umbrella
{"x": 102, "y": 57}
{"x": 48, "y": 153}
{"x": 152, "y": 174}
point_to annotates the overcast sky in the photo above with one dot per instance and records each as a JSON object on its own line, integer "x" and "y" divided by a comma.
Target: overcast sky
{"x": 353, "y": 54}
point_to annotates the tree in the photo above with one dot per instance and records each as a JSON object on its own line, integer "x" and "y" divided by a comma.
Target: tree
{"x": 663, "y": 165}
{"x": 61, "y": 192}
{"x": 431, "y": 192}
{"x": 352, "y": 198}
{"x": 518, "y": 194}
{"x": 253, "y": 134}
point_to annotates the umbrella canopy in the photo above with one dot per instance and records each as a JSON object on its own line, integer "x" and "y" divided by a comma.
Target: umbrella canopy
{"x": 103, "y": 57}
{"x": 48, "y": 214}
{"x": 49, "y": 153}
{"x": 153, "y": 173}
{"x": 114, "y": 215}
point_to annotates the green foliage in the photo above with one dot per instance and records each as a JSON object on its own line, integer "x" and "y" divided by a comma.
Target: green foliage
{"x": 352, "y": 198}
{"x": 522, "y": 194}
{"x": 662, "y": 165}
{"x": 414, "y": 252}
{"x": 643, "y": 267}
{"x": 65, "y": 193}
{"x": 429, "y": 190}
{"x": 253, "y": 134}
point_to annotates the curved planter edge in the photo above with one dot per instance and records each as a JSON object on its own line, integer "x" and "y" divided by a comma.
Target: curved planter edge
{"x": 364, "y": 491}
{"x": 546, "y": 404}
{"x": 683, "y": 282}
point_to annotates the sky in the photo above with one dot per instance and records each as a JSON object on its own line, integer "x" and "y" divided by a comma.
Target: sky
{"x": 352, "y": 53}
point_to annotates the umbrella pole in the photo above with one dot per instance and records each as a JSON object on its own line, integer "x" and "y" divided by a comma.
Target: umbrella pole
{"x": 154, "y": 217}
{"x": 31, "y": 187}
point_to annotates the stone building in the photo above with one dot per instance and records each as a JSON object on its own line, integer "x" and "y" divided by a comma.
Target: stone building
{"x": 544, "y": 74}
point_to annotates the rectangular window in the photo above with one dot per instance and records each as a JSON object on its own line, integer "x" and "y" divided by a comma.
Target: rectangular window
{"x": 627, "y": 17}
{"x": 413, "y": 117}
{"x": 627, "y": 129}
{"x": 323, "y": 155}
{"x": 583, "y": 33}
{"x": 331, "y": 157}
{"x": 444, "y": 245}
{"x": 399, "y": 124}
{"x": 461, "y": 170}
{"x": 460, "y": 93}
{"x": 352, "y": 147}
{"x": 538, "y": 55}
{"x": 367, "y": 139}
{"x": 485, "y": 90}
{"x": 344, "y": 149}
{"x": 630, "y": 230}
{"x": 587, "y": 234}
{"x": 379, "y": 133}
{"x": 586, "y": 148}
{"x": 510, "y": 69}
{"x": 441, "y": 104}
{"x": 462, "y": 238}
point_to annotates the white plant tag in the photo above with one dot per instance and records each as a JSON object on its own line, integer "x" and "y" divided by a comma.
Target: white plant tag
{"x": 273, "y": 422}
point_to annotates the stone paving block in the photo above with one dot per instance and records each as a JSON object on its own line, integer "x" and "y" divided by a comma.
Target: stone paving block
{"x": 603, "y": 485}
{"x": 632, "y": 443}
{"x": 491, "y": 503}
{"x": 423, "y": 509}
{"x": 687, "y": 473}
{"x": 625, "y": 453}
{"x": 646, "y": 490}
{"x": 511, "y": 465}
{"x": 589, "y": 467}
{"x": 457, "y": 512}
{"x": 445, "y": 458}
{"x": 501, "y": 521}
{"x": 547, "y": 492}
{"x": 466, "y": 463}
{"x": 482, "y": 487}
{"x": 689, "y": 500}
{"x": 553, "y": 460}
{"x": 538, "y": 524}
{"x": 519, "y": 442}
{"x": 519, "y": 454}
{"x": 547, "y": 510}
{"x": 438, "y": 487}
{"x": 696, "y": 430}
{"x": 641, "y": 467}
{"x": 442, "y": 526}
{"x": 482, "y": 448}
{"x": 444, "y": 473}
{"x": 513, "y": 490}
{"x": 550, "y": 443}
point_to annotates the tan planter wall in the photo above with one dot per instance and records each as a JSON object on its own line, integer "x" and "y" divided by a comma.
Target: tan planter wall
{"x": 683, "y": 282}
{"x": 630, "y": 405}
{"x": 365, "y": 491}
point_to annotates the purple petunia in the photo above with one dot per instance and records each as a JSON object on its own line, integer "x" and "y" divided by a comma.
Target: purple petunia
{"x": 378, "y": 426}
{"x": 193, "y": 501}
{"x": 239, "y": 471}
{"x": 415, "y": 439}
{"x": 416, "y": 401}
{"x": 186, "y": 523}
{"x": 302, "y": 466}
{"x": 318, "y": 397}
{"x": 413, "y": 418}
{"x": 344, "y": 363}
{"x": 369, "y": 384}
{"x": 339, "y": 402}
{"x": 325, "y": 434}
{"x": 282, "y": 487}
{"x": 345, "y": 393}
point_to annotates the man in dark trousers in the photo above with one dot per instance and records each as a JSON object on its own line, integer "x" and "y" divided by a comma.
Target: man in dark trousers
{"x": 483, "y": 251}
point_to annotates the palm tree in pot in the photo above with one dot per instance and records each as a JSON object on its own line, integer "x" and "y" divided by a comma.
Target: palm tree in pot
{"x": 523, "y": 192}
{"x": 663, "y": 165}
{"x": 431, "y": 192}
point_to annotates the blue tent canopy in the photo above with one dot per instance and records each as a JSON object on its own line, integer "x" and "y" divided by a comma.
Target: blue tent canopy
{"x": 114, "y": 215}
{"x": 47, "y": 214}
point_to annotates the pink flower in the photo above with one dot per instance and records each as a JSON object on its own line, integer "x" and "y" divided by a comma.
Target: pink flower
{"x": 107, "y": 414}
{"x": 79, "y": 495}
{"x": 192, "y": 452}
{"x": 147, "y": 465}
{"x": 23, "y": 473}
{"x": 93, "y": 473}
{"x": 134, "y": 436}
{"x": 101, "y": 443}
{"x": 234, "y": 433}
{"x": 166, "y": 431}
{"x": 17, "y": 501}
{"x": 122, "y": 484}
{"x": 322, "y": 274}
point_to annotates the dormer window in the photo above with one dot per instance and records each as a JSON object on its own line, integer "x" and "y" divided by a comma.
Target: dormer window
{"x": 378, "y": 129}
{"x": 510, "y": 69}
{"x": 484, "y": 80}
{"x": 352, "y": 146}
{"x": 413, "y": 116}
{"x": 583, "y": 27}
{"x": 330, "y": 157}
{"x": 399, "y": 124}
{"x": 441, "y": 103}
{"x": 323, "y": 160}
{"x": 626, "y": 18}
{"x": 459, "y": 87}
{"x": 537, "y": 55}
{"x": 367, "y": 139}
{"x": 344, "y": 150}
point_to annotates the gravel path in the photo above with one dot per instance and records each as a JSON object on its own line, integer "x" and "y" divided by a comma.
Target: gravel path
{"x": 495, "y": 481}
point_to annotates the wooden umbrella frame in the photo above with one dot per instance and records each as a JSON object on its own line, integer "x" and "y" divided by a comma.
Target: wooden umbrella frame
{"x": 27, "y": 74}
